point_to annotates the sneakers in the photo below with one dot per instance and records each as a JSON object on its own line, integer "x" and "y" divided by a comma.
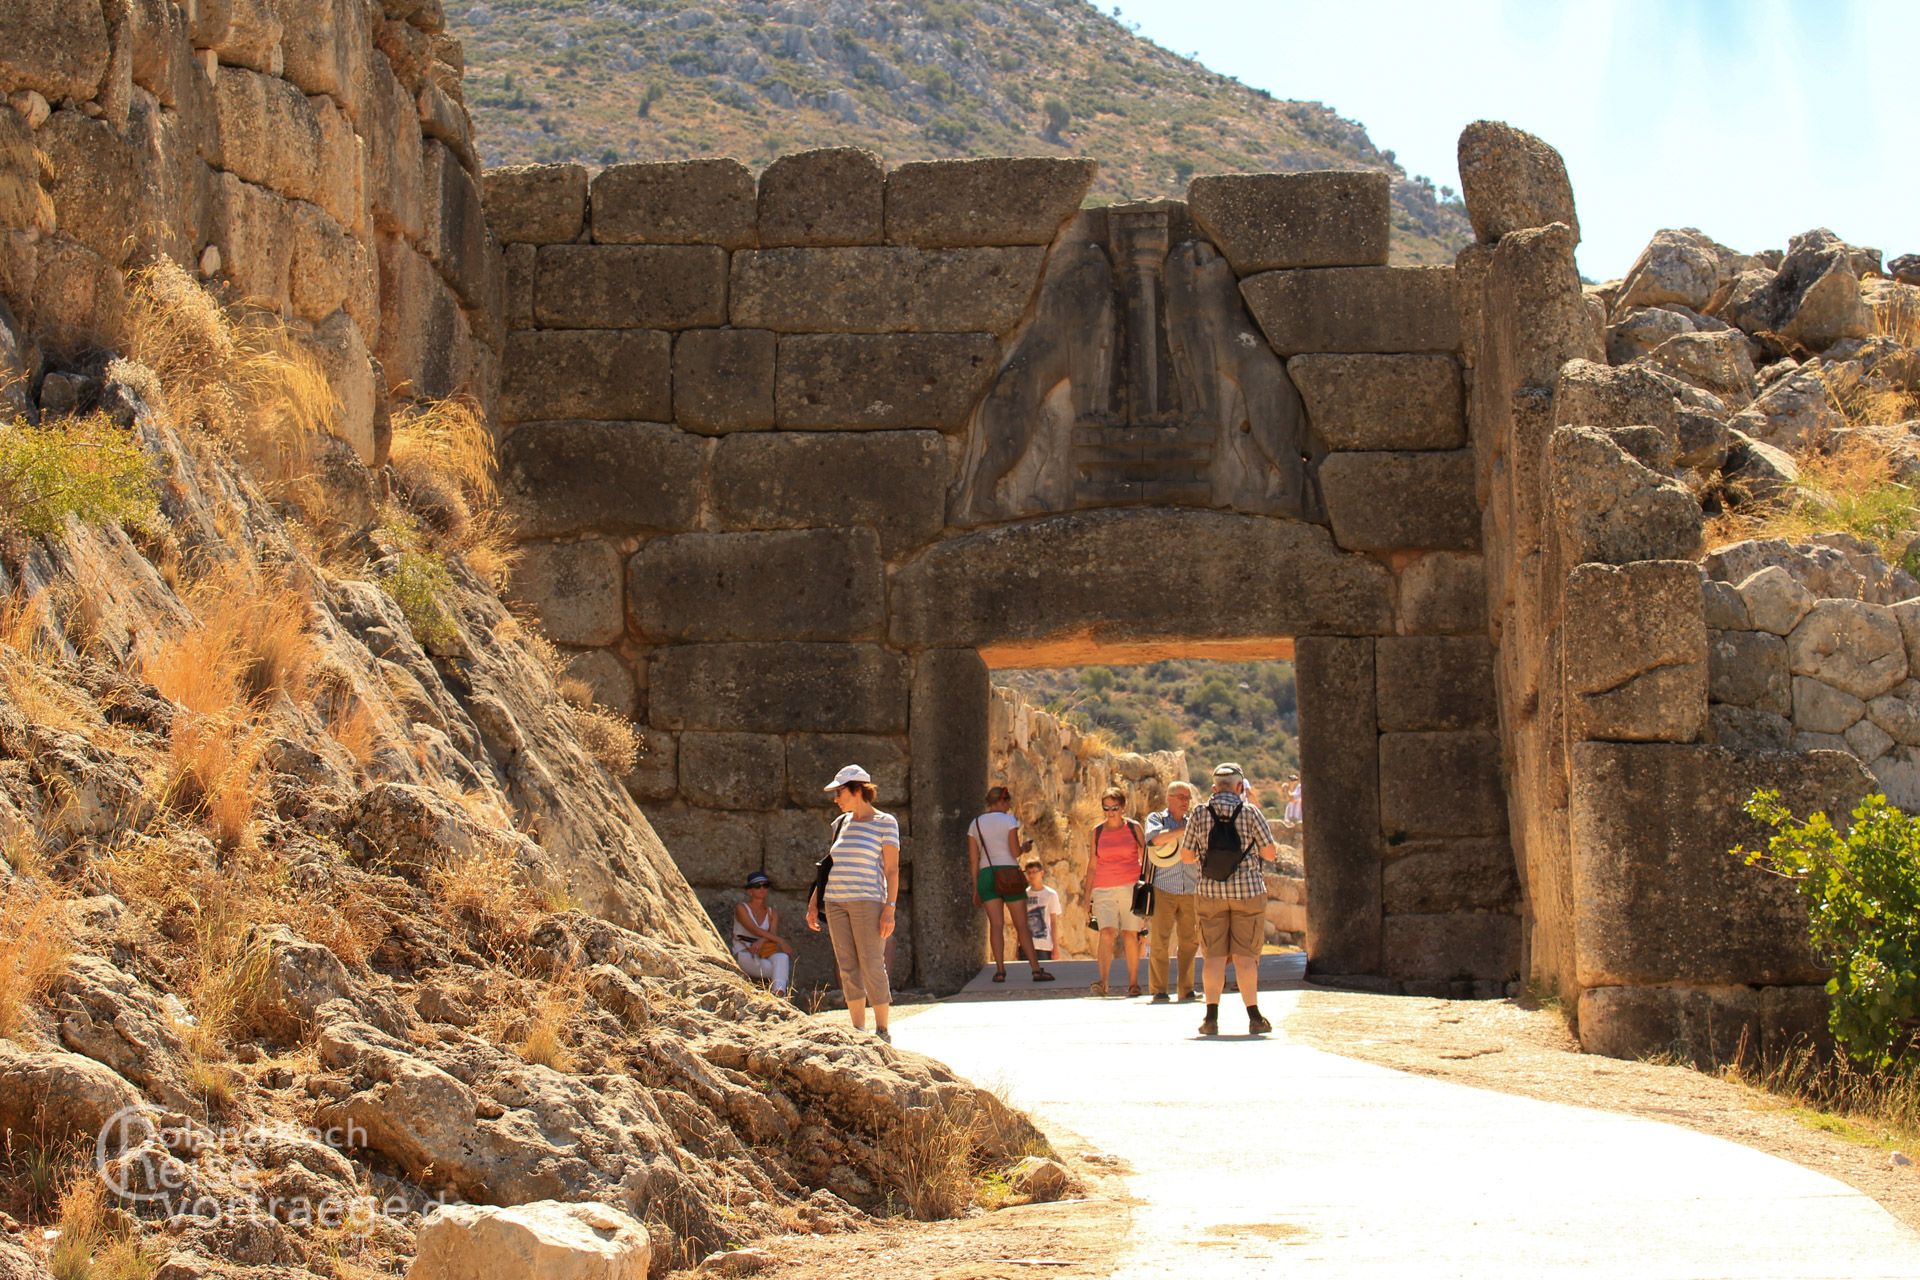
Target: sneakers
{"x": 1210, "y": 1027}
{"x": 1257, "y": 1024}
{"x": 1159, "y": 997}
{"x": 1188, "y": 997}
{"x": 884, "y": 1034}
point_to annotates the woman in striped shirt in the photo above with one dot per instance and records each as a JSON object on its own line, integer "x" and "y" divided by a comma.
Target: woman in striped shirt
{"x": 861, "y": 891}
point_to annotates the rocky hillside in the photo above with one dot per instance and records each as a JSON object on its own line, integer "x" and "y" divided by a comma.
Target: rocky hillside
{"x": 580, "y": 80}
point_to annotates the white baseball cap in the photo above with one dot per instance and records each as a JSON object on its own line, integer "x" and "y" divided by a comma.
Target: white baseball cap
{"x": 849, "y": 773}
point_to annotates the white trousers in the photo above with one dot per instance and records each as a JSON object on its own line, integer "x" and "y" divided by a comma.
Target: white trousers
{"x": 776, "y": 968}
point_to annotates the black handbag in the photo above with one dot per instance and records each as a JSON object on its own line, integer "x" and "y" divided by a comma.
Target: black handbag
{"x": 1143, "y": 894}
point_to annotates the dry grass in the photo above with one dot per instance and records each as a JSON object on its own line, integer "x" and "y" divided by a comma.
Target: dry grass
{"x": 485, "y": 888}
{"x": 443, "y": 457}
{"x": 948, "y": 1153}
{"x": 1875, "y": 1108}
{"x": 28, "y": 651}
{"x": 95, "y": 1242}
{"x": 1850, "y": 489}
{"x": 357, "y": 730}
{"x": 545, "y": 1038}
{"x": 1896, "y": 315}
{"x": 609, "y": 737}
{"x": 35, "y": 944}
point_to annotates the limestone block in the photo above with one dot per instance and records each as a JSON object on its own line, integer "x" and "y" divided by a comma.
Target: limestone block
{"x": 1544, "y": 316}
{"x": 243, "y": 33}
{"x": 1427, "y": 877}
{"x": 1852, "y": 645}
{"x": 1287, "y": 580}
{"x": 1460, "y": 945}
{"x": 1356, "y": 309}
{"x": 1725, "y": 608}
{"x": 630, "y": 286}
{"x": 714, "y": 848}
{"x": 781, "y": 481}
{"x": 1897, "y": 776}
{"x": 269, "y": 132}
{"x": 326, "y": 266}
{"x": 1441, "y": 784}
{"x": 1749, "y": 669}
{"x": 1442, "y": 593}
{"x": 57, "y": 48}
{"x": 394, "y": 164}
{"x": 949, "y": 750}
{"x": 883, "y": 289}
{"x": 341, "y": 349}
{"x": 656, "y": 772}
{"x": 520, "y": 261}
{"x": 1382, "y": 402}
{"x": 1512, "y": 180}
{"x": 855, "y": 381}
{"x": 708, "y": 201}
{"x": 563, "y": 478}
{"x": 536, "y": 203}
{"x": 803, "y": 584}
{"x": 574, "y": 588}
{"x": 814, "y": 758}
{"x": 423, "y": 332}
{"x": 1434, "y": 682}
{"x": 98, "y": 190}
{"x": 1402, "y": 501}
{"x": 1708, "y": 1027}
{"x": 1907, "y": 614}
{"x": 1775, "y": 600}
{"x": 1804, "y": 742}
{"x": 1680, "y": 266}
{"x": 829, "y": 196}
{"x": 1868, "y": 740}
{"x": 444, "y": 118}
{"x": 796, "y": 840}
{"x": 409, "y": 50}
{"x": 1898, "y": 717}
{"x": 1612, "y": 509}
{"x": 733, "y": 770}
{"x": 327, "y": 50}
{"x": 24, "y": 205}
{"x": 1818, "y": 707}
{"x": 1656, "y": 897}
{"x": 586, "y": 1241}
{"x": 1743, "y": 729}
{"x": 1716, "y": 362}
{"x": 944, "y": 204}
{"x": 79, "y": 299}
{"x": 457, "y": 237}
{"x": 1270, "y": 221}
{"x": 611, "y": 375}
{"x": 1791, "y": 413}
{"x": 1636, "y": 651}
{"x": 607, "y": 674}
{"x": 781, "y": 688}
{"x": 723, "y": 380}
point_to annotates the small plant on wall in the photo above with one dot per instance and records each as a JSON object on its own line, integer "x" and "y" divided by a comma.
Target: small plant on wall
{"x": 1862, "y": 890}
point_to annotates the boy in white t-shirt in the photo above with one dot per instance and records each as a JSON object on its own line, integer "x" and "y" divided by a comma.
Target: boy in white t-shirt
{"x": 1043, "y": 911}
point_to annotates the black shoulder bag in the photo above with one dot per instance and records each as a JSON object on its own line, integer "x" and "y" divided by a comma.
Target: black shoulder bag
{"x": 824, "y": 868}
{"x": 1143, "y": 887}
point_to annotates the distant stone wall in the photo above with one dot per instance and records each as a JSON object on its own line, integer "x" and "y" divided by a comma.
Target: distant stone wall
{"x": 312, "y": 156}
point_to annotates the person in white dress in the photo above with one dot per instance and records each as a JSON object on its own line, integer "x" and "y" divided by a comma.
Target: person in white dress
{"x": 757, "y": 945}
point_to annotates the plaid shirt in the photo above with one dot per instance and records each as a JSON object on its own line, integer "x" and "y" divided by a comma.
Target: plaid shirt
{"x": 1249, "y": 879}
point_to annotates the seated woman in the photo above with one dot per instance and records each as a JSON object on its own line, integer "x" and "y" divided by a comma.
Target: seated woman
{"x": 757, "y": 943}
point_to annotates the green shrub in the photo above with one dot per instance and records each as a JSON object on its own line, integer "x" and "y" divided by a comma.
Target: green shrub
{"x": 82, "y": 467}
{"x": 420, "y": 583}
{"x": 1862, "y": 890}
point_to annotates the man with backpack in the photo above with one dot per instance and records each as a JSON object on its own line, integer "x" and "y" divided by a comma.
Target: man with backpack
{"x": 1223, "y": 836}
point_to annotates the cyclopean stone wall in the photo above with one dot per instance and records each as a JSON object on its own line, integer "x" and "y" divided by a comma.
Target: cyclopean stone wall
{"x": 310, "y": 155}
{"x": 796, "y": 456}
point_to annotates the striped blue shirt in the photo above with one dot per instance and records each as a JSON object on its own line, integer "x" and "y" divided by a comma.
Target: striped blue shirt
{"x": 859, "y": 871}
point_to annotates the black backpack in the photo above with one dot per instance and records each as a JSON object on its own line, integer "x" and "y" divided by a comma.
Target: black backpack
{"x": 1224, "y": 851}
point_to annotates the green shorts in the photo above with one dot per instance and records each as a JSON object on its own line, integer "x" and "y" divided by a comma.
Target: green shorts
{"x": 983, "y": 885}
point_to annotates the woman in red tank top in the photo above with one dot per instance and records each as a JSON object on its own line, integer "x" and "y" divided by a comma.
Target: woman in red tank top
{"x": 1113, "y": 866}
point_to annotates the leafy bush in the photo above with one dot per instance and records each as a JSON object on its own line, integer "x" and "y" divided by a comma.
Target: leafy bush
{"x": 82, "y": 467}
{"x": 1862, "y": 890}
{"x": 419, "y": 583}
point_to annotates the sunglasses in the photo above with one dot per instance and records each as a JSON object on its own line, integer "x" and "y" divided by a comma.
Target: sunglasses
{"x": 1113, "y": 808}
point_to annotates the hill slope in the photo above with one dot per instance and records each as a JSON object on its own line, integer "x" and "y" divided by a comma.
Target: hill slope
{"x": 601, "y": 80}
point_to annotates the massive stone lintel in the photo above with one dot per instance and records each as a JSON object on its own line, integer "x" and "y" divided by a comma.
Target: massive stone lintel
{"x": 802, "y": 584}
{"x": 608, "y": 477}
{"x": 940, "y": 204}
{"x": 582, "y": 286}
{"x": 1266, "y": 221}
{"x": 882, "y": 289}
{"x": 1340, "y": 781}
{"x": 1356, "y": 309}
{"x": 1134, "y": 575}
{"x": 780, "y": 688}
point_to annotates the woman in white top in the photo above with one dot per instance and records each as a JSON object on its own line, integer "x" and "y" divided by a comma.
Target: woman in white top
{"x": 757, "y": 944}
{"x": 991, "y": 844}
{"x": 862, "y": 887}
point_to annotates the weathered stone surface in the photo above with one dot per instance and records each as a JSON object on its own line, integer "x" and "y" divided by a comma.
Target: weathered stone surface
{"x": 1793, "y": 412}
{"x": 979, "y": 588}
{"x": 863, "y": 381}
{"x": 1820, "y": 708}
{"x": 1434, "y": 682}
{"x": 1382, "y": 402}
{"x": 1340, "y": 784}
{"x": 1854, "y": 646}
{"x": 723, "y": 380}
{"x": 1868, "y": 740}
{"x": 656, "y": 771}
{"x": 813, "y": 759}
{"x": 1715, "y": 362}
{"x": 342, "y": 355}
{"x": 780, "y": 481}
{"x": 1745, "y": 729}
{"x": 57, "y": 48}
{"x": 1638, "y": 330}
{"x": 1776, "y": 602}
{"x": 779, "y": 688}
{"x": 1725, "y": 607}
{"x": 574, "y": 587}
{"x": 607, "y": 675}
{"x": 555, "y": 1241}
{"x": 830, "y": 196}
{"x": 1707, "y": 1026}
{"x": 579, "y": 477}
{"x": 812, "y": 584}
{"x": 1656, "y": 896}
{"x": 1612, "y": 509}
{"x": 536, "y": 203}
{"x": 613, "y": 375}
{"x": 1540, "y": 313}
{"x": 96, "y": 184}
{"x": 1636, "y": 651}
{"x": 243, "y": 33}
{"x": 1813, "y": 299}
{"x": 1897, "y": 717}
{"x": 630, "y": 286}
{"x": 949, "y": 749}
{"x": 1443, "y": 593}
{"x": 1269, "y": 221}
{"x": 65, "y": 1098}
{"x": 882, "y": 289}
{"x": 1426, "y": 877}
{"x": 1457, "y": 945}
{"x": 733, "y": 770}
{"x": 1680, "y": 266}
{"x": 269, "y": 134}
{"x": 1441, "y": 784}
{"x": 1749, "y": 669}
{"x": 1356, "y": 309}
{"x": 458, "y": 239}
{"x": 674, "y": 202}
{"x": 942, "y": 204}
{"x": 1511, "y": 181}
{"x": 1402, "y": 501}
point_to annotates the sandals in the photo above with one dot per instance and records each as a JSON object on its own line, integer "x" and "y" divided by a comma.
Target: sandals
{"x": 1041, "y": 975}
{"x": 1133, "y": 989}
{"x": 1001, "y": 976}
{"x": 1097, "y": 989}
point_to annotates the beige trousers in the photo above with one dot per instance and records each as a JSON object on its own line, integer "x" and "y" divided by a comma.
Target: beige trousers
{"x": 859, "y": 951}
{"x": 1173, "y": 916}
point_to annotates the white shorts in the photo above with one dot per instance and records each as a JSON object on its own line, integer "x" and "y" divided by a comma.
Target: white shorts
{"x": 1113, "y": 908}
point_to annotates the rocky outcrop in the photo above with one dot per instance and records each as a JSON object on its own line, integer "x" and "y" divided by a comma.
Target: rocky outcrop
{"x": 545, "y": 1238}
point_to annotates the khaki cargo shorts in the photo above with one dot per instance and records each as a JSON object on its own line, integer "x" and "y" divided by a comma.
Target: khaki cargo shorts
{"x": 1232, "y": 926}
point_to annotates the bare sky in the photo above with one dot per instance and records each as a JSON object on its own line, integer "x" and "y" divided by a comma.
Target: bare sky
{"x": 1750, "y": 119}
